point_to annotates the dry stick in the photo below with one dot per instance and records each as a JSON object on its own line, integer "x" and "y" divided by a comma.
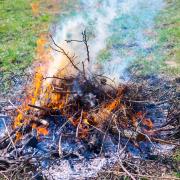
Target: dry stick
{"x": 55, "y": 77}
{"x": 38, "y": 107}
{"x": 119, "y": 134}
{"x": 73, "y": 40}
{"x": 132, "y": 136}
{"x": 59, "y": 146}
{"x": 64, "y": 92}
{"x": 61, "y": 50}
{"x": 151, "y": 140}
{"x": 64, "y": 124}
{"x": 6, "y": 137}
{"x": 106, "y": 132}
{"x": 80, "y": 121}
{"x": 6, "y": 149}
{"x": 147, "y": 138}
{"x": 71, "y": 61}
{"x": 4, "y": 176}
{"x": 120, "y": 161}
{"x": 171, "y": 120}
{"x": 146, "y": 102}
{"x": 97, "y": 128}
{"x": 9, "y": 135}
{"x": 84, "y": 73}
{"x": 164, "y": 142}
{"x": 125, "y": 170}
{"x": 86, "y": 44}
{"x": 82, "y": 41}
{"x": 164, "y": 129}
{"x": 15, "y": 107}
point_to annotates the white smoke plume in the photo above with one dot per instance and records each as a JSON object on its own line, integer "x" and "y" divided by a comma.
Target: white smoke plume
{"x": 96, "y": 16}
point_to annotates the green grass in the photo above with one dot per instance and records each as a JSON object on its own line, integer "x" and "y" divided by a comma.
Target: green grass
{"x": 165, "y": 58}
{"x": 168, "y": 23}
{"x": 176, "y": 159}
{"x": 104, "y": 55}
{"x": 19, "y": 31}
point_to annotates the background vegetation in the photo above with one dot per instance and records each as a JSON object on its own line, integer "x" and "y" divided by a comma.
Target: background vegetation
{"x": 166, "y": 55}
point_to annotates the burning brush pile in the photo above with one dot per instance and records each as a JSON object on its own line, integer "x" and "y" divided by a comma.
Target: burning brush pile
{"x": 75, "y": 123}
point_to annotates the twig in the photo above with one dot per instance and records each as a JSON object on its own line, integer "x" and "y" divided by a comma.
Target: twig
{"x": 59, "y": 146}
{"x": 85, "y": 41}
{"x": 80, "y": 121}
{"x": 164, "y": 141}
{"x": 73, "y": 40}
{"x": 119, "y": 135}
{"x": 97, "y": 128}
{"x": 64, "y": 92}
{"x": 86, "y": 44}
{"x": 55, "y": 77}
{"x": 114, "y": 115}
{"x": 4, "y": 175}
{"x": 84, "y": 73}
{"x": 61, "y": 50}
{"x": 38, "y": 107}
{"x": 15, "y": 107}
{"x": 149, "y": 139}
{"x": 9, "y": 135}
{"x": 125, "y": 170}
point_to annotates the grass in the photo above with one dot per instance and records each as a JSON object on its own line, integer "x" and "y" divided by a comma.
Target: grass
{"x": 104, "y": 55}
{"x": 168, "y": 31}
{"x": 165, "y": 57}
{"x": 176, "y": 159}
{"x": 19, "y": 31}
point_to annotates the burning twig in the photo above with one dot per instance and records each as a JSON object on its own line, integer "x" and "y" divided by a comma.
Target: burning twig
{"x": 64, "y": 92}
{"x": 41, "y": 121}
{"x": 40, "y": 108}
{"x": 54, "y": 77}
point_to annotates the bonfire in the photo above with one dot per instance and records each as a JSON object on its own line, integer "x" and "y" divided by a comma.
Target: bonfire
{"x": 79, "y": 108}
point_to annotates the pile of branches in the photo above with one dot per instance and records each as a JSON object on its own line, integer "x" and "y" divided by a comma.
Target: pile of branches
{"x": 91, "y": 104}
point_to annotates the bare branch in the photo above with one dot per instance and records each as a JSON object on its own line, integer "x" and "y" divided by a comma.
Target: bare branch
{"x": 86, "y": 44}
{"x": 61, "y": 50}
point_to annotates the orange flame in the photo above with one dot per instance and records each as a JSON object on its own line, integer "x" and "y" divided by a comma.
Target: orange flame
{"x": 42, "y": 131}
{"x": 35, "y": 8}
{"x": 148, "y": 123}
{"x": 111, "y": 106}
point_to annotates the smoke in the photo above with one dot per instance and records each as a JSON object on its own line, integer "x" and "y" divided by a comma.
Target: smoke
{"x": 103, "y": 19}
